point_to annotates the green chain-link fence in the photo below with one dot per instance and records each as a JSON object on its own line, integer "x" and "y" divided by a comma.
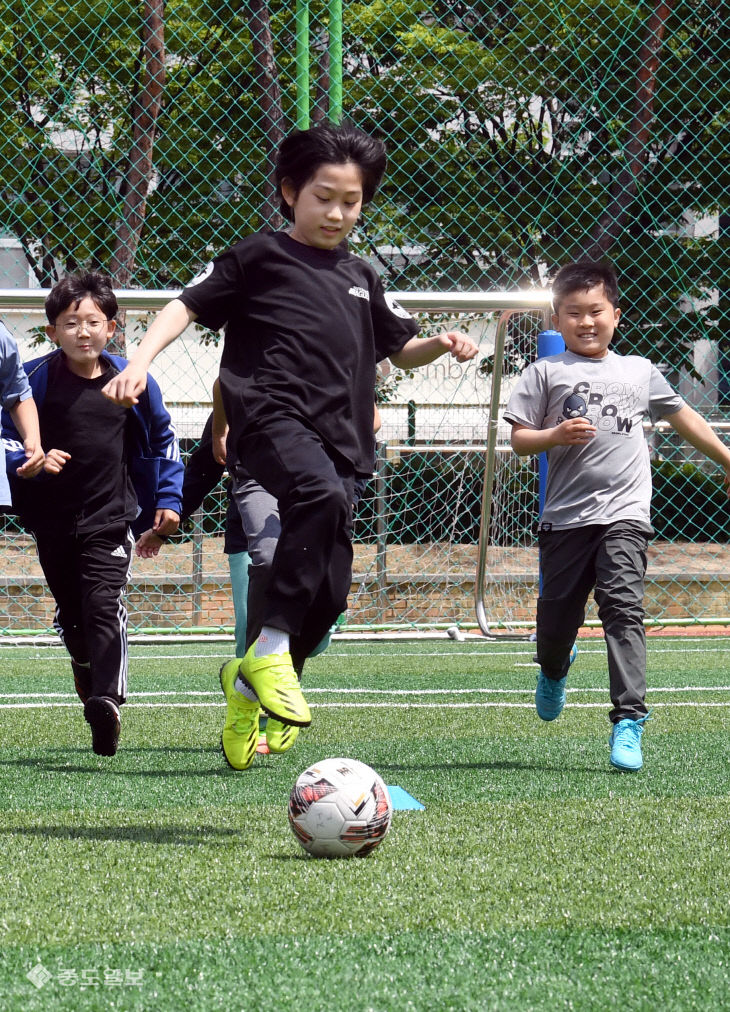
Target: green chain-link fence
{"x": 138, "y": 138}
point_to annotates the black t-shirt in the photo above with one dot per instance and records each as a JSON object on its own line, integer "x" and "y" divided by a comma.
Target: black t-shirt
{"x": 93, "y": 489}
{"x": 304, "y": 330}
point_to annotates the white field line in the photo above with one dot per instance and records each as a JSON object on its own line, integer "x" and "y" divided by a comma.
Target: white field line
{"x": 486, "y": 652}
{"x": 370, "y": 692}
{"x": 179, "y": 700}
{"x": 374, "y": 706}
{"x": 330, "y": 653}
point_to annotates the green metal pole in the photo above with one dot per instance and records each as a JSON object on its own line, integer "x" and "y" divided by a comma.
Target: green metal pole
{"x": 302, "y": 64}
{"x": 335, "y": 53}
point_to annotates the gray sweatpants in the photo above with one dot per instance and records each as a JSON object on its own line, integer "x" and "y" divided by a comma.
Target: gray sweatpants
{"x": 259, "y": 512}
{"x": 611, "y": 560}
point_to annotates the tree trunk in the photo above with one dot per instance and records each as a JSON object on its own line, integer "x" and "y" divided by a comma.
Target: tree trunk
{"x": 321, "y": 107}
{"x": 145, "y": 112}
{"x": 625, "y": 187}
{"x": 272, "y": 115}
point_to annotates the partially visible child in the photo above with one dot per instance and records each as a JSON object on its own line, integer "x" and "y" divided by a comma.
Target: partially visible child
{"x": 109, "y": 471}
{"x": 16, "y": 398}
{"x": 305, "y": 324}
{"x": 203, "y": 473}
{"x": 585, "y": 407}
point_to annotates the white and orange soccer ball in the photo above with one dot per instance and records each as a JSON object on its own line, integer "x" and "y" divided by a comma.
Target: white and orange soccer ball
{"x": 340, "y": 808}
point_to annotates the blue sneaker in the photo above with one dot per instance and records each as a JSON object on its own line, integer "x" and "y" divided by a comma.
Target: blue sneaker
{"x": 550, "y": 693}
{"x": 625, "y": 742}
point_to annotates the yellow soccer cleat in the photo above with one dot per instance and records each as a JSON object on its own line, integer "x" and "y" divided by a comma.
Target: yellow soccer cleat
{"x": 241, "y": 729}
{"x": 280, "y": 737}
{"x": 275, "y": 682}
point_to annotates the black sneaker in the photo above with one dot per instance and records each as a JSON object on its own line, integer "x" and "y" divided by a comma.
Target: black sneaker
{"x": 103, "y": 716}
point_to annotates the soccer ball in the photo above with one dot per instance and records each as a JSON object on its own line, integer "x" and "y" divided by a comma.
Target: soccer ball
{"x": 339, "y": 808}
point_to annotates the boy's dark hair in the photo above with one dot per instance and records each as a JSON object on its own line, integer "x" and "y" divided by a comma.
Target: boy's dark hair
{"x": 70, "y": 290}
{"x": 303, "y": 151}
{"x": 582, "y": 275}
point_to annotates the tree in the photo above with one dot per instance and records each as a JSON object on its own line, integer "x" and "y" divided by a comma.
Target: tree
{"x": 509, "y": 131}
{"x": 516, "y": 132}
{"x": 135, "y": 182}
{"x": 121, "y": 155}
{"x": 137, "y": 177}
{"x": 80, "y": 114}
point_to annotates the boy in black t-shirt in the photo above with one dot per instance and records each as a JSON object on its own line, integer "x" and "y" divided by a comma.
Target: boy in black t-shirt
{"x": 305, "y": 324}
{"x": 108, "y": 468}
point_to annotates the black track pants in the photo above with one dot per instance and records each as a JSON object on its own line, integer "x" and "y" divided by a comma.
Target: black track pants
{"x": 87, "y": 575}
{"x": 610, "y": 560}
{"x": 311, "y": 570}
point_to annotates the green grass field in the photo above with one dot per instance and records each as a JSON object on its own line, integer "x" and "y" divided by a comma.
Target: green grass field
{"x": 536, "y": 877}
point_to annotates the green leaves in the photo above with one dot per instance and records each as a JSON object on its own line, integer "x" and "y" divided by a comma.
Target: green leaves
{"x": 507, "y": 128}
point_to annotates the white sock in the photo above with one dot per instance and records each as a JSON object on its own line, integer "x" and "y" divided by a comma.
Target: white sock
{"x": 271, "y": 641}
{"x": 240, "y": 686}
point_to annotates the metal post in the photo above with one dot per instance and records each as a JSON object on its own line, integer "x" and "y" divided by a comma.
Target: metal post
{"x": 197, "y": 567}
{"x": 549, "y": 342}
{"x": 411, "y": 437}
{"x": 381, "y": 526}
{"x": 335, "y": 54}
{"x": 302, "y": 64}
{"x": 489, "y": 470}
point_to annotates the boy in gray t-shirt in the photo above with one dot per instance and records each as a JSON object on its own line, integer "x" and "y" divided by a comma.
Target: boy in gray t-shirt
{"x": 585, "y": 408}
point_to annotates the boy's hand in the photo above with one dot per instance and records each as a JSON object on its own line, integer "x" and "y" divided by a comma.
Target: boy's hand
{"x": 219, "y": 445}
{"x": 166, "y": 523}
{"x": 459, "y": 345}
{"x": 35, "y": 459}
{"x": 726, "y": 481}
{"x": 55, "y": 460}
{"x": 148, "y": 545}
{"x": 574, "y": 432}
{"x": 126, "y": 386}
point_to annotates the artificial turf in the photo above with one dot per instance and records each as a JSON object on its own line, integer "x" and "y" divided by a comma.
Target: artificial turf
{"x": 535, "y": 877}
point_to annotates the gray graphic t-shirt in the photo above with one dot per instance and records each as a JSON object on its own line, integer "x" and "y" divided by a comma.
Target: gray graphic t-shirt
{"x": 608, "y": 479}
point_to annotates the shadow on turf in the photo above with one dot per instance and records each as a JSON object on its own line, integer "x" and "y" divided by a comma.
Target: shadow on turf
{"x": 117, "y": 766}
{"x": 191, "y": 835}
{"x": 536, "y": 767}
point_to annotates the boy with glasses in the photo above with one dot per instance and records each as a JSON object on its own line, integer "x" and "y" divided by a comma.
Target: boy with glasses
{"x": 110, "y": 473}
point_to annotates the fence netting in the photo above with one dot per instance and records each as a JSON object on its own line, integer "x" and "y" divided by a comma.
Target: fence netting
{"x": 138, "y": 138}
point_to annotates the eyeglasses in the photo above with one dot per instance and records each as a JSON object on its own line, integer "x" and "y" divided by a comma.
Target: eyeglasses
{"x": 92, "y": 327}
